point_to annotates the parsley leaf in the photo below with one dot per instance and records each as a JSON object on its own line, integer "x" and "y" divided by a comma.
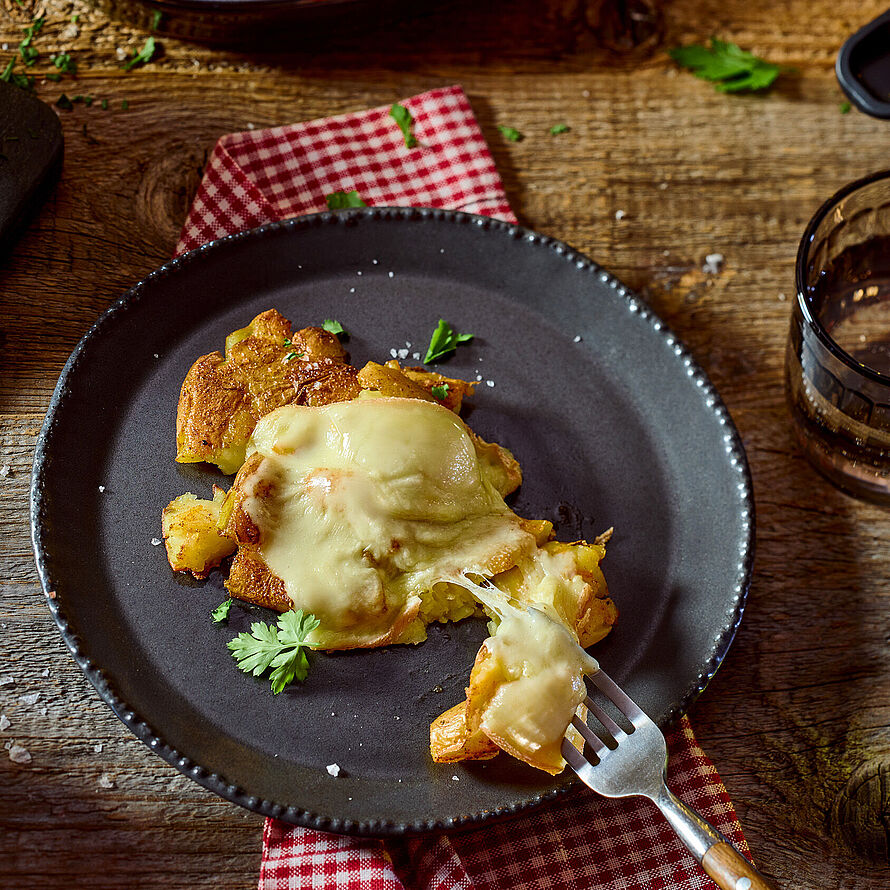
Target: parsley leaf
{"x": 156, "y": 17}
{"x": 221, "y": 612}
{"x": 556, "y": 129}
{"x": 440, "y": 391}
{"x": 511, "y": 133}
{"x": 281, "y": 649}
{"x": 728, "y": 67}
{"x": 64, "y": 63}
{"x": 403, "y": 118}
{"x": 845, "y": 107}
{"x": 143, "y": 55}
{"x": 334, "y": 327}
{"x": 342, "y": 200}
{"x": 444, "y": 341}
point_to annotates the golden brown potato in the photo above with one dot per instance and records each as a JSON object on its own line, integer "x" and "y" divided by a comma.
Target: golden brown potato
{"x": 192, "y": 537}
{"x": 451, "y": 739}
{"x": 265, "y": 366}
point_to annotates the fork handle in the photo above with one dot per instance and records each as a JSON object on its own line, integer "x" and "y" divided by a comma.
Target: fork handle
{"x": 724, "y": 865}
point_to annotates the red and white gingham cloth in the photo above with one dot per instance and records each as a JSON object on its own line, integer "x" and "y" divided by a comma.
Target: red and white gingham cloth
{"x": 580, "y": 842}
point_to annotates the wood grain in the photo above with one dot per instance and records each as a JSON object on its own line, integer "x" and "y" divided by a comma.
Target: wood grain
{"x": 798, "y": 718}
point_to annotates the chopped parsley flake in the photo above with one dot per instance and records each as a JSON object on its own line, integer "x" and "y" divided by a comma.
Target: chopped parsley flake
{"x": 156, "y": 17}
{"x": 510, "y": 133}
{"x": 845, "y": 107}
{"x": 143, "y": 56}
{"x": 728, "y": 67}
{"x": 334, "y": 327}
{"x": 444, "y": 341}
{"x": 64, "y": 63}
{"x": 343, "y": 200}
{"x": 440, "y": 391}
{"x": 221, "y": 612}
{"x": 556, "y": 129}
{"x": 403, "y": 118}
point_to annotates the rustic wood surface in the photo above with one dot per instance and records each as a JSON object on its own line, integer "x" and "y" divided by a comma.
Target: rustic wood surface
{"x": 798, "y": 718}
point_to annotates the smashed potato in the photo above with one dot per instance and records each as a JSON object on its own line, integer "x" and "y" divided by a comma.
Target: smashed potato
{"x": 192, "y": 536}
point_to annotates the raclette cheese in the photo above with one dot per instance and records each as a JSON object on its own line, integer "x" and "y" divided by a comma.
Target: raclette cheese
{"x": 363, "y": 507}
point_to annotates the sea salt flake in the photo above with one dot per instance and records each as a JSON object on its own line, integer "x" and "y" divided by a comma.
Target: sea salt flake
{"x": 455, "y": 778}
{"x": 44, "y": 672}
{"x": 5, "y": 722}
{"x": 97, "y": 749}
{"x": 489, "y": 382}
{"x": 352, "y": 290}
{"x": 30, "y": 698}
{"x": 105, "y": 781}
{"x": 7, "y": 681}
{"x": 403, "y": 353}
{"x": 576, "y": 338}
{"x": 713, "y": 264}
{"x": 620, "y": 214}
{"x": 18, "y": 754}
{"x": 5, "y": 471}
{"x": 415, "y": 356}
{"x": 333, "y": 769}
{"x": 44, "y": 712}
{"x": 101, "y": 489}
{"x": 393, "y": 353}
{"x": 391, "y": 274}
{"x": 155, "y": 542}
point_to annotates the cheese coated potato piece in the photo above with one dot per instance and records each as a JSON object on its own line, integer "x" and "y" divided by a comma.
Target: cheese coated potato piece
{"x": 192, "y": 537}
{"x": 265, "y": 366}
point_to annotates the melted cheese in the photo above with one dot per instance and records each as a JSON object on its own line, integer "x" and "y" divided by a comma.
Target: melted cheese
{"x": 364, "y": 506}
{"x": 541, "y": 686}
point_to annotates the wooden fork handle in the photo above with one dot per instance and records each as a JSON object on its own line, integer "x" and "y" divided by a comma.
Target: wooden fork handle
{"x": 729, "y": 870}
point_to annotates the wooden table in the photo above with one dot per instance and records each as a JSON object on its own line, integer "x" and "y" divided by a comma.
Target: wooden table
{"x": 798, "y": 718}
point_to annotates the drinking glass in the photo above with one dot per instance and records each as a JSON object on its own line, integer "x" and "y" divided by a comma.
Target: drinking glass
{"x": 837, "y": 362}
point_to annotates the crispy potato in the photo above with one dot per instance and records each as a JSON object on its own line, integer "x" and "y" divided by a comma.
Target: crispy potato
{"x": 265, "y": 366}
{"x": 451, "y": 739}
{"x": 192, "y": 537}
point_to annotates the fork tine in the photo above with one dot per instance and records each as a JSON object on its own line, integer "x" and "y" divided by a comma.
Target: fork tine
{"x": 613, "y": 728}
{"x": 592, "y": 739}
{"x": 619, "y": 698}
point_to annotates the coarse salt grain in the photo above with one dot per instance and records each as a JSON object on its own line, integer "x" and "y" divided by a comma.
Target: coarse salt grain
{"x": 620, "y": 214}
{"x": 393, "y": 353}
{"x": 333, "y": 769}
{"x": 403, "y": 353}
{"x": 18, "y": 754}
{"x": 5, "y": 722}
{"x": 29, "y": 699}
{"x": 97, "y": 749}
{"x": 576, "y": 338}
{"x": 105, "y": 781}
{"x": 155, "y": 542}
{"x": 713, "y": 264}
{"x": 101, "y": 489}
{"x": 44, "y": 672}
{"x": 489, "y": 382}
{"x": 7, "y": 681}
{"x": 5, "y": 470}
{"x": 415, "y": 356}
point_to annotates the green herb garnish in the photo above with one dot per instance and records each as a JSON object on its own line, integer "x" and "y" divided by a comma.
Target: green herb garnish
{"x": 444, "y": 341}
{"x": 403, "y": 118}
{"x": 221, "y": 612}
{"x": 729, "y": 68}
{"x": 281, "y": 649}
{"x": 440, "y": 391}
{"x": 156, "y": 17}
{"x": 510, "y": 133}
{"x": 556, "y": 129}
{"x": 334, "y": 327}
{"x": 64, "y": 103}
{"x": 342, "y": 200}
{"x": 292, "y": 355}
{"x": 143, "y": 55}
{"x": 28, "y": 53}
{"x": 55, "y": 78}
{"x": 64, "y": 63}
{"x": 845, "y": 107}
{"x": 105, "y": 105}
{"x": 125, "y": 105}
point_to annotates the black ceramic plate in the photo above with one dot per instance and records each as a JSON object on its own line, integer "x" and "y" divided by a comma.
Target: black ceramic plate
{"x": 612, "y": 421}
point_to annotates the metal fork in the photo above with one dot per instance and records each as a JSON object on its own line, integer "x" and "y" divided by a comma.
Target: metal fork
{"x": 636, "y": 765}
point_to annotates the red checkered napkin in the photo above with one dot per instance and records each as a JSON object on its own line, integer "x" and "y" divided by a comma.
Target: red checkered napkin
{"x": 584, "y": 841}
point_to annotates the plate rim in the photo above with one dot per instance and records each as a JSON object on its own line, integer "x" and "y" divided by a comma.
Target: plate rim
{"x": 351, "y": 218}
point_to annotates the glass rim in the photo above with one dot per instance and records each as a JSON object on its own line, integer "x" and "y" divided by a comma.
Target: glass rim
{"x": 800, "y": 276}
